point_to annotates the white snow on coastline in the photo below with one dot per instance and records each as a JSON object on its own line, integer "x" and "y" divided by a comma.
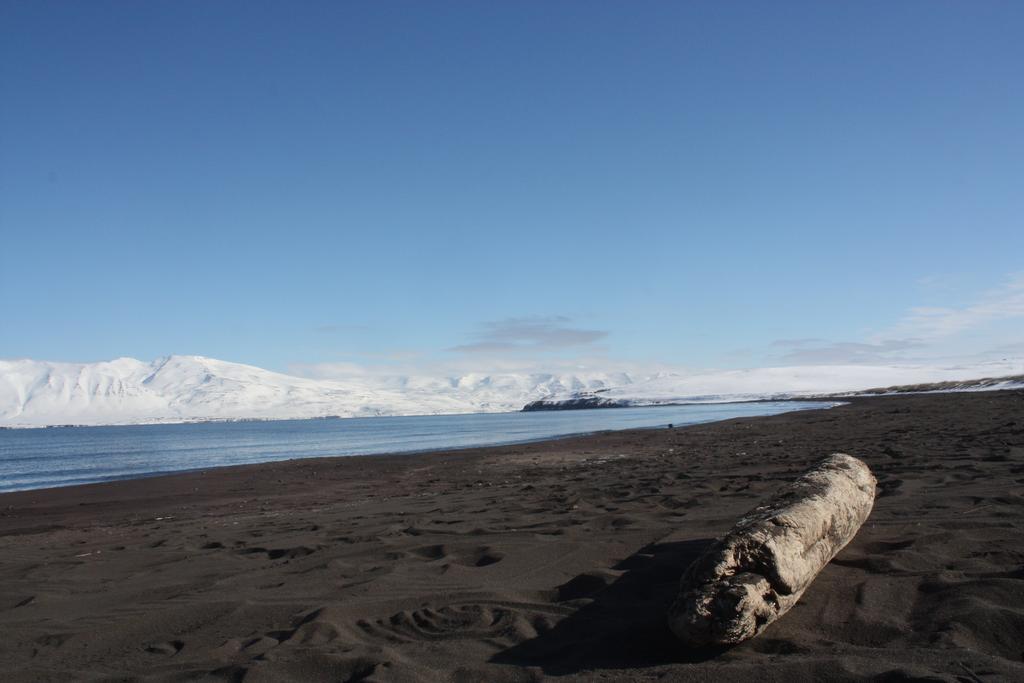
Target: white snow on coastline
{"x": 799, "y": 381}
{"x": 194, "y": 388}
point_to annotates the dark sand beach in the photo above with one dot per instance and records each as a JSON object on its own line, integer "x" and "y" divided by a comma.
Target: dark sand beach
{"x": 520, "y": 563}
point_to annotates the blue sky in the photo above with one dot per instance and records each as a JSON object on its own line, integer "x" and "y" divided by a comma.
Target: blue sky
{"x": 488, "y": 185}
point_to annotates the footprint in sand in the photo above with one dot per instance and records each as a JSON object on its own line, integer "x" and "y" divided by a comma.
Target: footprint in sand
{"x": 497, "y": 621}
{"x": 279, "y": 553}
{"x": 458, "y": 621}
{"x": 170, "y": 647}
{"x": 479, "y": 556}
{"x": 54, "y": 639}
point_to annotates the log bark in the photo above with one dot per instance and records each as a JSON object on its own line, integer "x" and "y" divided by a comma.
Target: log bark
{"x": 759, "y": 570}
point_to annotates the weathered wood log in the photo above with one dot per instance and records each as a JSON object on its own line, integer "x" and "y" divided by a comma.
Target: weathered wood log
{"x": 759, "y": 570}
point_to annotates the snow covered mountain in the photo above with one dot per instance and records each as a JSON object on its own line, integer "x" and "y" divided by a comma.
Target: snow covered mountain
{"x": 189, "y": 388}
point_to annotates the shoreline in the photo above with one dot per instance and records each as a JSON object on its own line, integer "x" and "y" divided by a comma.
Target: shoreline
{"x": 555, "y": 558}
{"x": 481, "y": 451}
{"x": 198, "y": 421}
{"x": 822, "y": 405}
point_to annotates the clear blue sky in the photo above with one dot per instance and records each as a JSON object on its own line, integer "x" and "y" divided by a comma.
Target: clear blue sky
{"x": 695, "y": 183}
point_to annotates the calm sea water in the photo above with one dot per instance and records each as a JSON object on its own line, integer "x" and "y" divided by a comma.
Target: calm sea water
{"x": 63, "y": 456}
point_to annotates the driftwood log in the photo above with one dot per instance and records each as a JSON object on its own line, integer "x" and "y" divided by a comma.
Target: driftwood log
{"x": 753, "y": 575}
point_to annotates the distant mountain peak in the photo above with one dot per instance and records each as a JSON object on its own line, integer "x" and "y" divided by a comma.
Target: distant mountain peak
{"x": 178, "y": 388}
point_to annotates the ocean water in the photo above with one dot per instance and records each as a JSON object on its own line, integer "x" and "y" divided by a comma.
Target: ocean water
{"x": 64, "y": 456}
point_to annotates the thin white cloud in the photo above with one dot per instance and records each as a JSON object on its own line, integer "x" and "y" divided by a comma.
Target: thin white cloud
{"x": 529, "y": 334}
{"x": 888, "y": 351}
{"x": 799, "y": 342}
{"x": 985, "y": 329}
{"x": 926, "y": 333}
{"x": 934, "y": 323}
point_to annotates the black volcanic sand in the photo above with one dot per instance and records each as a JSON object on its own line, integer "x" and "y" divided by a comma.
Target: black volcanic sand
{"x": 519, "y": 563}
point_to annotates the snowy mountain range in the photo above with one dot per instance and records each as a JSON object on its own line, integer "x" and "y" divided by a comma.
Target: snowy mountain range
{"x": 193, "y": 388}
{"x": 190, "y": 388}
